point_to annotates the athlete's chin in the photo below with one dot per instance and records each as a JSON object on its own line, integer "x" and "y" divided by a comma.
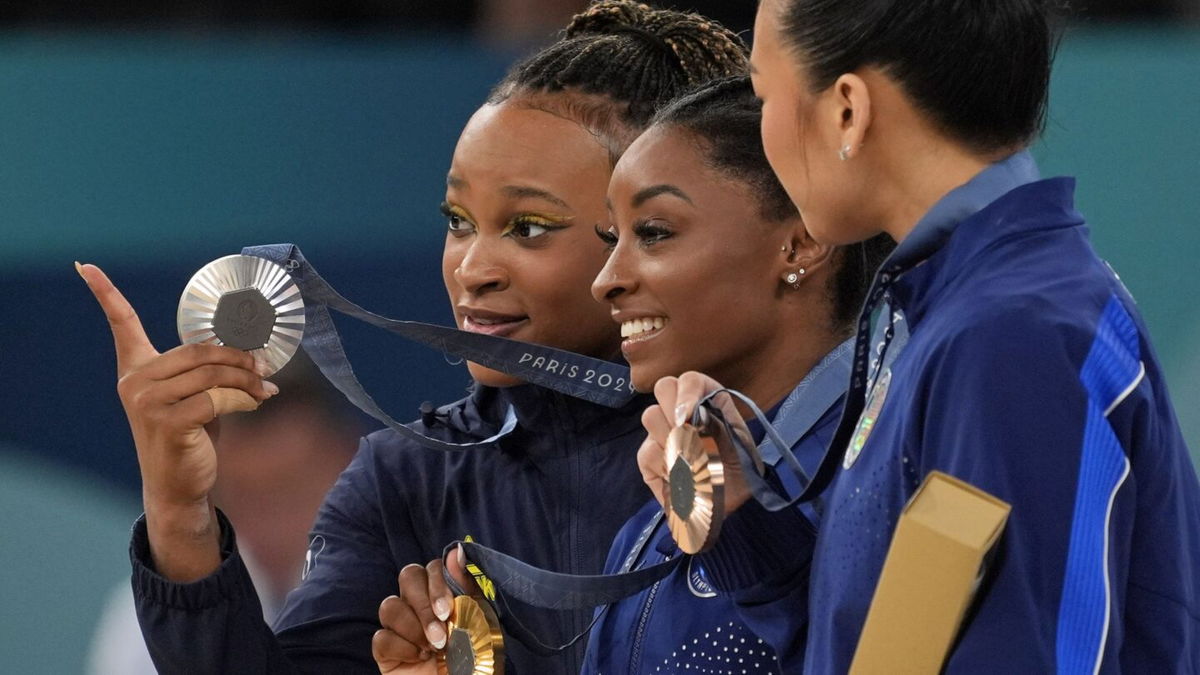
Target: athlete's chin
{"x": 645, "y": 373}
{"x": 491, "y": 378}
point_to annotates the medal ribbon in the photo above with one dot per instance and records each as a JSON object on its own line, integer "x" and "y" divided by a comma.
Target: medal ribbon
{"x": 554, "y": 590}
{"x": 595, "y": 380}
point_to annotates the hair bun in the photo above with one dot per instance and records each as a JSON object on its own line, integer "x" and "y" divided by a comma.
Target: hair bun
{"x": 703, "y": 48}
{"x": 608, "y": 17}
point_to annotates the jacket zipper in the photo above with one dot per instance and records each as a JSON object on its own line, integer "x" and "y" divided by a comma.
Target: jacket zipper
{"x": 639, "y": 635}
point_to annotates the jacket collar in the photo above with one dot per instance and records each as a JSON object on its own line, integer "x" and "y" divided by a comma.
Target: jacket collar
{"x": 935, "y": 227}
{"x": 1035, "y": 207}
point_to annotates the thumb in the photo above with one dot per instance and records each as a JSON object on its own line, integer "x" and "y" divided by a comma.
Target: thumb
{"x": 461, "y": 572}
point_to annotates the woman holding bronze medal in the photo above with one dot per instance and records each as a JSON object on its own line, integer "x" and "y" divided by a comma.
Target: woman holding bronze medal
{"x": 712, "y": 269}
{"x": 525, "y": 188}
{"x": 994, "y": 346}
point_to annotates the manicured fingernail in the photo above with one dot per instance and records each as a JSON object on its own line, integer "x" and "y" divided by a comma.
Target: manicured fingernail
{"x": 270, "y": 387}
{"x": 79, "y": 268}
{"x": 441, "y": 608}
{"x": 681, "y": 412}
{"x": 462, "y": 557}
{"x": 436, "y": 635}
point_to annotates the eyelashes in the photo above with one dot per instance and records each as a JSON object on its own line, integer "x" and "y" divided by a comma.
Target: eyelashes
{"x": 609, "y": 236}
{"x": 648, "y": 232}
{"x": 525, "y": 228}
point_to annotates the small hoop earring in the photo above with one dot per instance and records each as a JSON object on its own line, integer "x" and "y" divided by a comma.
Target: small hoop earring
{"x": 844, "y": 153}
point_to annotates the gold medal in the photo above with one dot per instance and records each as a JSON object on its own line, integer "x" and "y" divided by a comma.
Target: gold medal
{"x": 695, "y": 496}
{"x": 475, "y": 645}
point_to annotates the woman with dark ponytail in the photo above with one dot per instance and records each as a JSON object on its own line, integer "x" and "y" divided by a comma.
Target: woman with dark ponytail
{"x": 994, "y": 346}
{"x": 526, "y": 186}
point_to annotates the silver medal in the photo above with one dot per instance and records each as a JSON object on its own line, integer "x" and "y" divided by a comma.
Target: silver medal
{"x": 244, "y": 302}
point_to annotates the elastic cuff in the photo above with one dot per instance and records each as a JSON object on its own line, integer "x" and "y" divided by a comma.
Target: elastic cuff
{"x": 229, "y": 581}
{"x": 757, "y": 546}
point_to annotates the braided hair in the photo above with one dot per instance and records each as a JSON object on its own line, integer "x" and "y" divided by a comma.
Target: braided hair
{"x": 724, "y": 116}
{"x": 618, "y": 62}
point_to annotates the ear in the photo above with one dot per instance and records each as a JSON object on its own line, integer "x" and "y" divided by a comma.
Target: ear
{"x": 804, "y": 252}
{"x": 852, "y": 105}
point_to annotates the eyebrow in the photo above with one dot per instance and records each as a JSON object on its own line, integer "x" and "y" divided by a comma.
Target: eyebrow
{"x": 455, "y": 182}
{"x": 526, "y": 192}
{"x": 646, "y": 194}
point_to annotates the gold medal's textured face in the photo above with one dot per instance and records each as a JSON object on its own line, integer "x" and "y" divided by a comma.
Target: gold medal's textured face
{"x": 475, "y": 645}
{"x": 695, "y": 489}
{"x": 247, "y": 303}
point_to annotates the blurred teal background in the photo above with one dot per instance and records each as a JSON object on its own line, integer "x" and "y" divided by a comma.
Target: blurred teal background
{"x": 151, "y": 154}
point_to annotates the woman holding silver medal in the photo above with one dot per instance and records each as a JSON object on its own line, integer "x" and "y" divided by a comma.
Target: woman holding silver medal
{"x": 994, "y": 346}
{"x": 525, "y": 187}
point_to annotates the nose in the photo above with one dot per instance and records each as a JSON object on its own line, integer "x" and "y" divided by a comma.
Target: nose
{"x": 481, "y": 270}
{"x": 615, "y": 278}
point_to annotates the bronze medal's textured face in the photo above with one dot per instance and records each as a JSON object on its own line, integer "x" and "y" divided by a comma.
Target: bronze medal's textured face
{"x": 695, "y": 489}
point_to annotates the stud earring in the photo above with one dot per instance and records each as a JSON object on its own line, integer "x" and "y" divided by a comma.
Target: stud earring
{"x": 844, "y": 153}
{"x": 793, "y": 278}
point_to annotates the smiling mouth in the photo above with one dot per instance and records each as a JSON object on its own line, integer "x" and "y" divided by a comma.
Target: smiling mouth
{"x": 639, "y": 330}
{"x": 499, "y": 326}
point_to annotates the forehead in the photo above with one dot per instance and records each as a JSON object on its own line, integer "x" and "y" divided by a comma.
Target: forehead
{"x": 766, "y": 32}
{"x": 672, "y": 155}
{"x": 514, "y": 144}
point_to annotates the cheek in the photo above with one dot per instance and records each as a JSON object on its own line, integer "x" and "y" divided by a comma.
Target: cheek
{"x": 784, "y": 149}
{"x": 451, "y": 259}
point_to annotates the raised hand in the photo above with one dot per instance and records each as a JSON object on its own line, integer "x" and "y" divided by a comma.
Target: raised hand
{"x": 169, "y": 398}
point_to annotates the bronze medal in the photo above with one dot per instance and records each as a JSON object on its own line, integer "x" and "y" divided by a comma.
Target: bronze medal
{"x": 475, "y": 645}
{"x": 695, "y": 495}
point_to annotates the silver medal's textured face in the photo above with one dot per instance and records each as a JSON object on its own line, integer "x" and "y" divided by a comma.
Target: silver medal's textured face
{"x": 247, "y": 303}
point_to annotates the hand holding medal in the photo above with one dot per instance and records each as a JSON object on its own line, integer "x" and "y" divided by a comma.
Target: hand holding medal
{"x": 427, "y": 628}
{"x": 692, "y": 467}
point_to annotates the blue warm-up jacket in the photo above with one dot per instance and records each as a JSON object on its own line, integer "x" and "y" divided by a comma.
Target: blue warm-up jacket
{"x": 1027, "y": 372}
{"x": 554, "y": 492}
{"x": 685, "y": 623}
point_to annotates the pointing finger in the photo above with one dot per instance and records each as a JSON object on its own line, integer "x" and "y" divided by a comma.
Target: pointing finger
{"x": 133, "y": 347}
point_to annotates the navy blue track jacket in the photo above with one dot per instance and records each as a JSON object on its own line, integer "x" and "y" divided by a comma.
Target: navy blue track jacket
{"x": 1027, "y": 372}
{"x": 553, "y": 493}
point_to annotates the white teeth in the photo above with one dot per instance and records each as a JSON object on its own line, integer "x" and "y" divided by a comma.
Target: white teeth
{"x": 638, "y": 326}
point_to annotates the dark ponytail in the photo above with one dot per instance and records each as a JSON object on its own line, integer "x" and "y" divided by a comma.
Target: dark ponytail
{"x": 979, "y": 69}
